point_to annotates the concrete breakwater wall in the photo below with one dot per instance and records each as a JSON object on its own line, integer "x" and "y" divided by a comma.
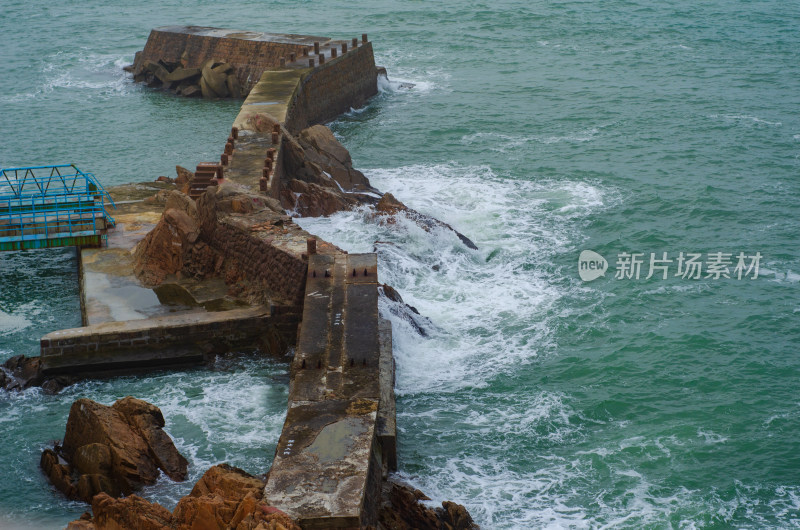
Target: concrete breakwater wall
{"x": 230, "y": 241}
{"x": 250, "y": 53}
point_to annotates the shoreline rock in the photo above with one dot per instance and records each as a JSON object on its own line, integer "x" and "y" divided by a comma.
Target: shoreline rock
{"x": 225, "y": 497}
{"x": 113, "y": 450}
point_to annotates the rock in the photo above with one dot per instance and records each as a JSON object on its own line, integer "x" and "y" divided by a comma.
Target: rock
{"x": 402, "y": 510}
{"x": 180, "y": 201}
{"x": 132, "y": 512}
{"x": 149, "y": 422}
{"x": 90, "y": 485}
{"x": 390, "y": 205}
{"x": 161, "y": 252}
{"x": 20, "y": 372}
{"x": 224, "y": 498}
{"x": 227, "y": 481}
{"x": 92, "y": 458}
{"x": 112, "y": 450}
{"x": 57, "y": 472}
{"x": 184, "y": 179}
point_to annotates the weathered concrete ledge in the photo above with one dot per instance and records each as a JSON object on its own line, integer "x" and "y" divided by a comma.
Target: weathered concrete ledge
{"x": 161, "y": 341}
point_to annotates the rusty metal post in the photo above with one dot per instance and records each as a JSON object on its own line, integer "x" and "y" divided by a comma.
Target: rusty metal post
{"x": 321, "y": 58}
{"x": 275, "y": 138}
{"x": 333, "y": 53}
{"x": 344, "y": 47}
{"x": 316, "y": 48}
{"x": 262, "y": 184}
{"x": 364, "y": 38}
{"x": 311, "y": 245}
{"x": 234, "y": 132}
{"x": 311, "y": 62}
{"x": 355, "y": 42}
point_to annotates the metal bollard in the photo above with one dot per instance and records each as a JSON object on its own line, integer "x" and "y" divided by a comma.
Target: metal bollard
{"x": 321, "y": 58}
{"x": 333, "y": 53}
{"x": 355, "y": 43}
{"x": 364, "y": 38}
{"x": 275, "y": 137}
{"x": 234, "y": 132}
{"x": 316, "y": 48}
{"x": 344, "y": 47}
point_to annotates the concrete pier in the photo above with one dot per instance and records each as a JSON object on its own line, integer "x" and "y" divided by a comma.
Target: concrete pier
{"x": 331, "y": 453}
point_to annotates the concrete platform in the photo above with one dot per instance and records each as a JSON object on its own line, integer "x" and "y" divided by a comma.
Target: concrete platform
{"x": 334, "y": 449}
{"x": 169, "y": 340}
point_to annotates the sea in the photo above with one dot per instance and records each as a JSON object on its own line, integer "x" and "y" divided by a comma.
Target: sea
{"x": 651, "y": 382}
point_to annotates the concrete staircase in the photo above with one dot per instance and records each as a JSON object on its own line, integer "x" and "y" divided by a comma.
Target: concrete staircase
{"x": 204, "y": 176}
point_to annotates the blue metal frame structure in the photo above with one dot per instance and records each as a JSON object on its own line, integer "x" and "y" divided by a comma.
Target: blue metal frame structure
{"x": 52, "y": 206}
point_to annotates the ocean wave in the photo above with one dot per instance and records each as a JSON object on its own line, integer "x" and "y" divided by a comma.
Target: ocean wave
{"x": 744, "y": 118}
{"x": 503, "y": 143}
{"x": 99, "y": 75}
{"x": 492, "y": 308}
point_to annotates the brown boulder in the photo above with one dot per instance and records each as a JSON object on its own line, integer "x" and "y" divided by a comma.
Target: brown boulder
{"x": 402, "y": 510}
{"x": 20, "y": 372}
{"x": 112, "y": 449}
{"x": 149, "y": 422}
{"x": 224, "y": 498}
{"x": 130, "y": 513}
{"x": 184, "y": 179}
{"x": 227, "y": 481}
{"x": 161, "y": 252}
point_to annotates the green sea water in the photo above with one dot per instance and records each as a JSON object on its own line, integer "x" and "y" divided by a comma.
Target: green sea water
{"x": 538, "y": 129}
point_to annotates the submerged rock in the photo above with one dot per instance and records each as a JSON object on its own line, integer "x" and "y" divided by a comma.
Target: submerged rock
{"x": 113, "y": 450}
{"x": 401, "y": 509}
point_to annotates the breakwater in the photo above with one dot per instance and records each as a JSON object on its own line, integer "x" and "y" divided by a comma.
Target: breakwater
{"x": 340, "y": 426}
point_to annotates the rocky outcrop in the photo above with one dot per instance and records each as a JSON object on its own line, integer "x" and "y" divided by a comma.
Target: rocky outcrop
{"x": 112, "y": 449}
{"x": 389, "y": 207}
{"x": 20, "y": 372}
{"x": 215, "y": 79}
{"x": 224, "y": 498}
{"x": 320, "y": 178}
{"x": 402, "y": 510}
{"x": 407, "y": 312}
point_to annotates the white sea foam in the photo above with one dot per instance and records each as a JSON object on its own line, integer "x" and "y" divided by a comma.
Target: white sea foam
{"x": 96, "y": 74}
{"x": 474, "y": 298}
{"x": 745, "y": 118}
{"x": 15, "y": 322}
{"x": 503, "y": 143}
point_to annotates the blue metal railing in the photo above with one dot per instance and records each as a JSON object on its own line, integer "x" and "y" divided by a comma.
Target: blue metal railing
{"x": 59, "y": 205}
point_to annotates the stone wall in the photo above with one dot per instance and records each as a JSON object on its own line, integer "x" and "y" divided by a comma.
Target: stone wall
{"x": 268, "y": 269}
{"x": 333, "y": 88}
{"x": 248, "y": 56}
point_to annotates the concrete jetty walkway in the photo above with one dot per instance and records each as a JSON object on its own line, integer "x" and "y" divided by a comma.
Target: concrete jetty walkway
{"x": 338, "y": 440}
{"x": 339, "y": 432}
